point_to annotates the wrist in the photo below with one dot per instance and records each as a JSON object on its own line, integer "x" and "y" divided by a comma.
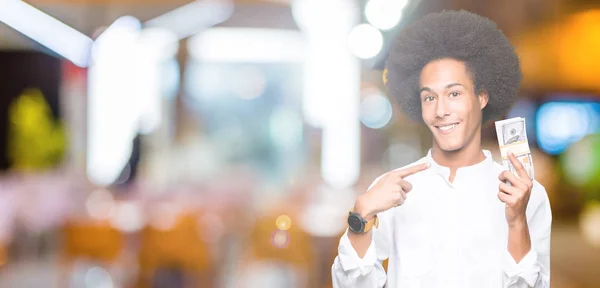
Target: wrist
{"x": 518, "y": 224}
{"x": 362, "y": 208}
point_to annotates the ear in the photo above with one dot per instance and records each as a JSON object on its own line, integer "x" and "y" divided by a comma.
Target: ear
{"x": 483, "y": 99}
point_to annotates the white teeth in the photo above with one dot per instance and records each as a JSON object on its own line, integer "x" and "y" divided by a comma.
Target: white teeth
{"x": 446, "y": 128}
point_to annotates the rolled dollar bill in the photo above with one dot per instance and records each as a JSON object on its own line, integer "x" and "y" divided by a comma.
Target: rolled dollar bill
{"x": 512, "y": 137}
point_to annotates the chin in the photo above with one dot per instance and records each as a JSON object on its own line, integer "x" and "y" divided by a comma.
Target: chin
{"x": 450, "y": 146}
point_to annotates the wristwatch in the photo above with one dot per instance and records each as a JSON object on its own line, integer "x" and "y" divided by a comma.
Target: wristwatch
{"x": 358, "y": 224}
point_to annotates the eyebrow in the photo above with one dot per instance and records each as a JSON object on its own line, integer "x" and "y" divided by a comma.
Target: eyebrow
{"x": 447, "y": 87}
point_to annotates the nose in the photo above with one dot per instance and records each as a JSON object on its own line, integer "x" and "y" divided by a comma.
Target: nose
{"x": 442, "y": 109}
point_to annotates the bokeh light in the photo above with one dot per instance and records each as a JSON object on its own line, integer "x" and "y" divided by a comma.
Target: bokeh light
{"x": 280, "y": 239}
{"x": 128, "y": 217}
{"x": 100, "y": 204}
{"x": 589, "y": 224}
{"x": 164, "y": 216}
{"x": 365, "y": 41}
{"x": 559, "y": 124}
{"x": 385, "y": 14}
{"x": 375, "y": 111}
{"x": 581, "y": 162}
{"x": 283, "y": 222}
{"x": 97, "y": 277}
{"x": 323, "y": 18}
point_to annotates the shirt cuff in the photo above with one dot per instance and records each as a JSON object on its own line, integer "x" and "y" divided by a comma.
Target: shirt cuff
{"x": 527, "y": 269}
{"x": 350, "y": 260}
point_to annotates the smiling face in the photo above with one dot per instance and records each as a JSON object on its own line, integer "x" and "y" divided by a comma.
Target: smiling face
{"x": 449, "y": 105}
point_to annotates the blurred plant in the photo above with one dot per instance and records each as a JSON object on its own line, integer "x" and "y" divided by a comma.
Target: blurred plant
{"x": 581, "y": 166}
{"x": 36, "y": 141}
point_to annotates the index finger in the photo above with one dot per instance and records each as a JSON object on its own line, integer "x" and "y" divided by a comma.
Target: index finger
{"x": 412, "y": 170}
{"x": 518, "y": 166}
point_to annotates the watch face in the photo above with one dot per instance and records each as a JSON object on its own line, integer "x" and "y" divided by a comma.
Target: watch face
{"x": 355, "y": 224}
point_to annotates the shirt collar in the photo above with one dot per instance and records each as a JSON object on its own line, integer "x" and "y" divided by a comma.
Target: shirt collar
{"x": 480, "y": 167}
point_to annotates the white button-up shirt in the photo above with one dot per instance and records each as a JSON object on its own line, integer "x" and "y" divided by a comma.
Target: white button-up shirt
{"x": 450, "y": 235}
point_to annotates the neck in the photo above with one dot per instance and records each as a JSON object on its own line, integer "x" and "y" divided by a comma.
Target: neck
{"x": 468, "y": 155}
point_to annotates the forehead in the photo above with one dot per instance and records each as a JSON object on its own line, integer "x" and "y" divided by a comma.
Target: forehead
{"x": 441, "y": 72}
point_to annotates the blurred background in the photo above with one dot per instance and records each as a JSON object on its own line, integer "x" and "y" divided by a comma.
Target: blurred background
{"x": 221, "y": 143}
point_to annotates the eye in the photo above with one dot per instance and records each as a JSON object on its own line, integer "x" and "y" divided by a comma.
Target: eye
{"x": 454, "y": 94}
{"x": 428, "y": 98}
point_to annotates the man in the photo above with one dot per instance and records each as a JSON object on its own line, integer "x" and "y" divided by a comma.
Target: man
{"x": 454, "y": 218}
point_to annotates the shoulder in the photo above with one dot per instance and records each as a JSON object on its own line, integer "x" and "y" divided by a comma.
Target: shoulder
{"x": 420, "y": 161}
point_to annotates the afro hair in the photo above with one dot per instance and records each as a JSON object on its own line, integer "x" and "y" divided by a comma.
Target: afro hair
{"x": 488, "y": 55}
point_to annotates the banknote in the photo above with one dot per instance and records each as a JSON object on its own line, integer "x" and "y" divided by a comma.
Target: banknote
{"x": 512, "y": 136}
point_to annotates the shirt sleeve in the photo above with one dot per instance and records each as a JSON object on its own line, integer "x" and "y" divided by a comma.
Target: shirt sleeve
{"x": 350, "y": 270}
{"x": 534, "y": 269}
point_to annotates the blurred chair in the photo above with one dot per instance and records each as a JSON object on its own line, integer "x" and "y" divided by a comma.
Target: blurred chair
{"x": 176, "y": 252}
{"x": 95, "y": 241}
{"x": 274, "y": 250}
{"x": 3, "y": 254}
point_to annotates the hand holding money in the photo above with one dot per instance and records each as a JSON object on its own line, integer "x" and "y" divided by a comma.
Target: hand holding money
{"x": 516, "y": 195}
{"x": 517, "y": 181}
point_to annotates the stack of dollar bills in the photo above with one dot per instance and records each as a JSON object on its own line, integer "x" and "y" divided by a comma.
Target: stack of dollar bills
{"x": 512, "y": 136}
